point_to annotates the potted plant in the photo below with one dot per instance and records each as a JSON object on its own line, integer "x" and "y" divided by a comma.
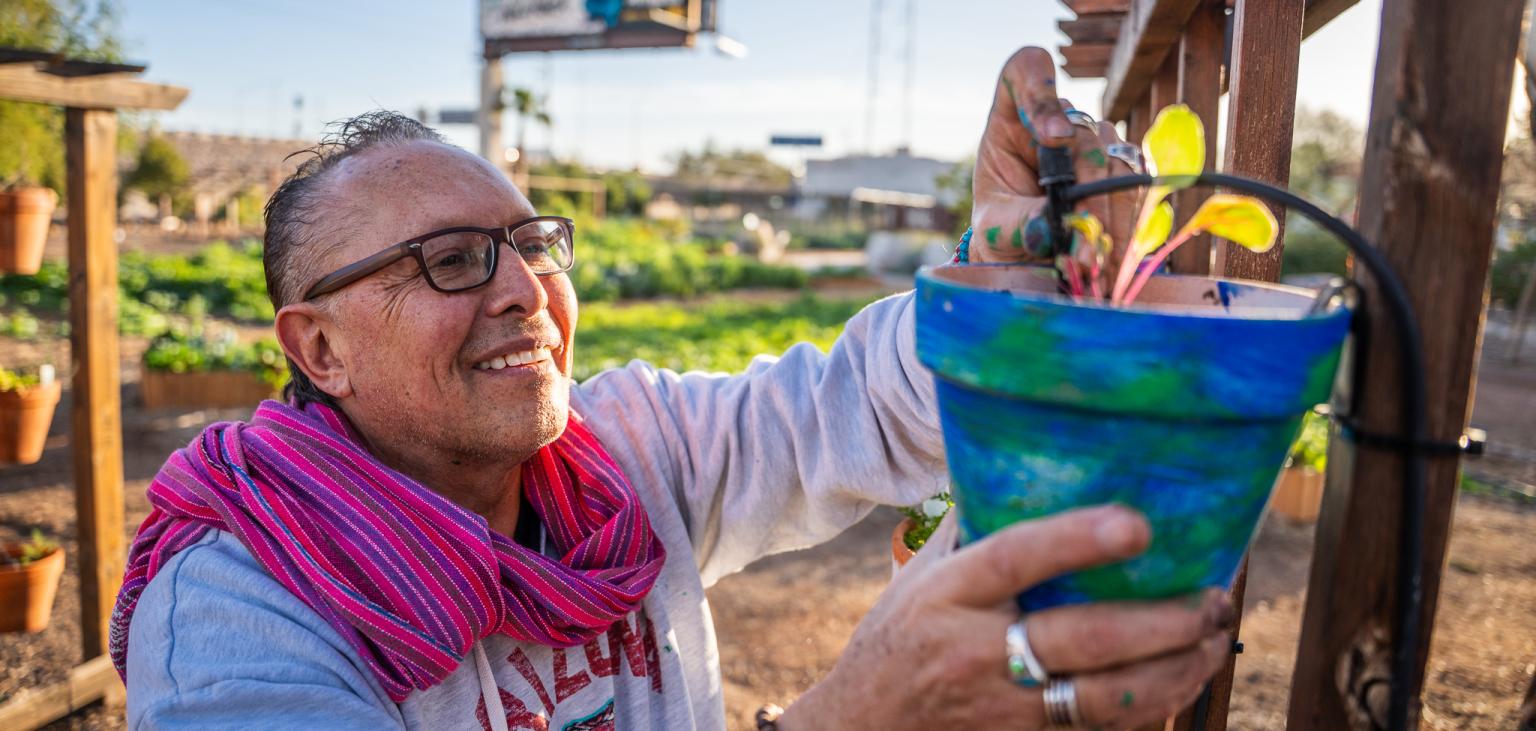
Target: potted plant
{"x": 27, "y": 400}
{"x": 26, "y": 210}
{"x": 29, "y": 579}
{"x": 913, "y": 531}
{"x": 184, "y": 370}
{"x": 1299, "y": 495}
{"x": 1180, "y": 396}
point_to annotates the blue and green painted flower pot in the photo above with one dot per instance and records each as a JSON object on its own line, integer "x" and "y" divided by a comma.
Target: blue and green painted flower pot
{"x": 1183, "y": 406}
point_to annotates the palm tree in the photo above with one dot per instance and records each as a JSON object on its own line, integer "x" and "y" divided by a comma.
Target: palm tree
{"x": 527, "y": 105}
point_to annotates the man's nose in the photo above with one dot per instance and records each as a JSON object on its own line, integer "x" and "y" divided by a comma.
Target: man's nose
{"x": 515, "y": 287}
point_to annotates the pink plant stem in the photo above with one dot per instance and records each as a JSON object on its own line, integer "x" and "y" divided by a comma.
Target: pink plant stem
{"x": 1123, "y": 277}
{"x": 1074, "y": 278}
{"x": 1093, "y": 279}
{"x": 1151, "y": 268}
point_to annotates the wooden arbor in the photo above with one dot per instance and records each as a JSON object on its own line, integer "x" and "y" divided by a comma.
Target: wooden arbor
{"x": 91, "y": 93}
{"x": 1434, "y": 151}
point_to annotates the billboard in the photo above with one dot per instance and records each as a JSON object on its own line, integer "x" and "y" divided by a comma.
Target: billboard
{"x": 511, "y": 26}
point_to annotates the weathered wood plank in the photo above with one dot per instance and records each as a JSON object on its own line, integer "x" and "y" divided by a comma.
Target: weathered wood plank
{"x": 1148, "y": 33}
{"x": 1090, "y": 29}
{"x": 1139, "y": 119}
{"x": 1266, "y": 48}
{"x": 1087, "y": 55}
{"x": 1321, "y": 12}
{"x": 29, "y": 84}
{"x": 1201, "y": 58}
{"x": 95, "y": 423}
{"x": 87, "y": 683}
{"x": 1428, "y": 195}
{"x": 1089, "y": 7}
{"x": 1083, "y": 71}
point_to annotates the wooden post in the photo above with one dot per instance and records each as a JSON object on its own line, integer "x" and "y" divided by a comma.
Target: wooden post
{"x": 1434, "y": 151}
{"x": 95, "y": 425}
{"x": 1139, "y": 120}
{"x": 1266, "y": 50}
{"x": 1200, "y": 55}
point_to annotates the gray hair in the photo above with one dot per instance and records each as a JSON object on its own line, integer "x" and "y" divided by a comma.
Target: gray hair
{"x": 296, "y": 214}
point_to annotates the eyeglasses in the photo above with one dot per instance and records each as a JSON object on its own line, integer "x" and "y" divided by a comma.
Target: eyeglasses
{"x": 464, "y": 257}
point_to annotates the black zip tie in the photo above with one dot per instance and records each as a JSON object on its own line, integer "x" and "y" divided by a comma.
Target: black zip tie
{"x": 1469, "y": 443}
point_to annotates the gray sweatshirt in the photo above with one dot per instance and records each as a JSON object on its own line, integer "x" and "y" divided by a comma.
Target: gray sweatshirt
{"x": 729, "y": 468}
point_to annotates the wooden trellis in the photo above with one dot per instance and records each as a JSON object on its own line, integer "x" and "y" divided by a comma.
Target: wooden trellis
{"x": 1434, "y": 151}
{"x": 91, "y": 93}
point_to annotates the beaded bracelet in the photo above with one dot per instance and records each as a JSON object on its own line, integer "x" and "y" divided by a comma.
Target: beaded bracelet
{"x": 963, "y": 251}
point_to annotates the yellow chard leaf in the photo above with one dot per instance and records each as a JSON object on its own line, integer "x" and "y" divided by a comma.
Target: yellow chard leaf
{"x": 1236, "y": 218}
{"x": 1153, "y": 231}
{"x": 1089, "y": 225}
{"x": 1174, "y": 146}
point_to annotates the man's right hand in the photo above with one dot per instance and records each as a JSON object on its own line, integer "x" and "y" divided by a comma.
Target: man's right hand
{"x": 931, "y": 653}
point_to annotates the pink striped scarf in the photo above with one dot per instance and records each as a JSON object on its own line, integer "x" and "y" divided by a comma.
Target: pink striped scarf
{"x": 408, "y": 578}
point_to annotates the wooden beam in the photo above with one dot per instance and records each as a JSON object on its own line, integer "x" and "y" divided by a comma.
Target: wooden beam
{"x": 30, "y": 84}
{"x": 1139, "y": 119}
{"x": 87, "y": 683}
{"x": 1081, "y": 71}
{"x": 1428, "y": 199}
{"x": 1261, "y": 111}
{"x": 1089, "y": 7}
{"x": 1090, "y": 29}
{"x": 1148, "y": 33}
{"x": 1321, "y": 12}
{"x": 1201, "y": 60}
{"x": 1086, "y": 55}
{"x": 90, "y": 143}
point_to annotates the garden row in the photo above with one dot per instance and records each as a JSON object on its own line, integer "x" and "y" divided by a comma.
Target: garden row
{"x": 189, "y": 304}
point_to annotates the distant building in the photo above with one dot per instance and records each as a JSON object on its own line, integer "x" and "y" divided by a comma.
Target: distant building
{"x": 897, "y": 191}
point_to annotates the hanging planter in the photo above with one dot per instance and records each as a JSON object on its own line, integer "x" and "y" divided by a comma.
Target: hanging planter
{"x": 1080, "y": 384}
{"x": 29, "y": 580}
{"x": 1183, "y": 407}
{"x": 25, "y": 214}
{"x": 27, "y": 402}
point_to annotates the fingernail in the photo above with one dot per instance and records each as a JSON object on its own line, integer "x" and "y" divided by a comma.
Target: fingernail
{"x": 1057, "y": 127}
{"x": 1223, "y": 614}
{"x": 1120, "y": 532}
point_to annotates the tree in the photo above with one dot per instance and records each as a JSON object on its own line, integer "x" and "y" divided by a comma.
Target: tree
{"x": 734, "y": 168}
{"x": 526, "y": 105}
{"x": 160, "y": 170}
{"x": 1326, "y": 154}
{"x": 33, "y": 151}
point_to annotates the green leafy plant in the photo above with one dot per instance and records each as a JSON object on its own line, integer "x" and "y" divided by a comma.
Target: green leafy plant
{"x": 36, "y": 549}
{"x": 925, "y": 519}
{"x": 21, "y": 379}
{"x": 178, "y": 351}
{"x": 1311, "y": 447}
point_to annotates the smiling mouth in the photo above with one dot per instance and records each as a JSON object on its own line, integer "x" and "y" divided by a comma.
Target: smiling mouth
{"x": 519, "y": 358}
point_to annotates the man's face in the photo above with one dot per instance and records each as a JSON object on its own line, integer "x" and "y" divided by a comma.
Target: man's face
{"x": 425, "y": 368}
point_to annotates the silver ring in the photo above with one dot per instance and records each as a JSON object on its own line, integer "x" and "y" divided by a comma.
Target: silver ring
{"x": 1127, "y": 153}
{"x": 1082, "y": 119}
{"x": 1061, "y": 709}
{"x": 1023, "y": 666}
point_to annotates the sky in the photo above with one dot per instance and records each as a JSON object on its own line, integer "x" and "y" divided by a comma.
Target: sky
{"x": 806, "y": 71}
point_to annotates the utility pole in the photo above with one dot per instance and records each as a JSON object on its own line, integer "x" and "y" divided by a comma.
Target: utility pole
{"x": 873, "y": 92}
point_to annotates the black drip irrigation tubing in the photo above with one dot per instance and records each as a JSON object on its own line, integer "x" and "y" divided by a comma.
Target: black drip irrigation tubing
{"x": 1413, "y": 440}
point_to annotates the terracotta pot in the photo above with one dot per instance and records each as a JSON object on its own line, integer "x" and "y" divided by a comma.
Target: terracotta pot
{"x": 203, "y": 390}
{"x": 24, "y": 217}
{"x": 1299, "y": 494}
{"x": 900, "y": 554}
{"x": 24, "y": 419}
{"x": 26, "y": 593}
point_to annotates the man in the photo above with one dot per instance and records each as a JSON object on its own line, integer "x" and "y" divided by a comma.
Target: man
{"x": 440, "y": 530}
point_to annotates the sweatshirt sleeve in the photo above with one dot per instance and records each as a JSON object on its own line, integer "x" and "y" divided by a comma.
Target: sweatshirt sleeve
{"x": 216, "y": 643}
{"x": 789, "y": 453}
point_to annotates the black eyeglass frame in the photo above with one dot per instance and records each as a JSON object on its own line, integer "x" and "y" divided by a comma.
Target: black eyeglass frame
{"x": 413, "y": 247}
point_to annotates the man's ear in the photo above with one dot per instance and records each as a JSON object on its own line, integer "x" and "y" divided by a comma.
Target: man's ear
{"x": 303, "y": 331}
